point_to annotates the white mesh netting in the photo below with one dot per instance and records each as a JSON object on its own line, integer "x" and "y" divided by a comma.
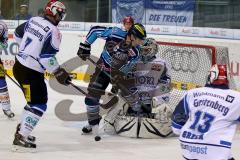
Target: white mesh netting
{"x": 190, "y": 65}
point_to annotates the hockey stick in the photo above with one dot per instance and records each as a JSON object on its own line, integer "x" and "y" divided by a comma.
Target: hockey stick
{"x": 122, "y": 87}
{"x": 5, "y": 73}
{"x": 96, "y": 65}
{"x": 107, "y": 105}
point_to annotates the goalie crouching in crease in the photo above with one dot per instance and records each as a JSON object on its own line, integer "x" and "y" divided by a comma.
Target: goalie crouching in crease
{"x": 142, "y": 111}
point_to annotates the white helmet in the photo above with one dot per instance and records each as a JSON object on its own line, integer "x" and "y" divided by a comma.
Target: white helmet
{"x": 3, "y": 35}
{"x": 148, "y": 50}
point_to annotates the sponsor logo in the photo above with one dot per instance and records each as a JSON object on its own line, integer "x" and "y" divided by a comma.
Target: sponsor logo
{"x": 46, "y": 29}
{"x": 145, "y": 80}
{"x": 52, "y": 61}
{"x": 230, "y": 99}
{"x": 182, "y": 60}
{"x": 156, "y": 67}
{"x": 194, "y": 149}
{"x": 211, "y": 104}
{"x": 198, "y": 94}
{"x": 31, "y": 121}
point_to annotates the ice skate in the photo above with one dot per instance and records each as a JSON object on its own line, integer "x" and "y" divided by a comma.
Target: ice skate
{"x": 9, "y": 113}
{"x": 29, "y": 138}
{"x": 21, "y": 144}
{"x": 87, "y": 129}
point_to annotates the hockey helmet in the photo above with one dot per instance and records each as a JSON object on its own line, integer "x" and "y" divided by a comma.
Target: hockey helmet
{"x": 128, "y": 19}
{"x": 138, "y": 30}
{"x": 53, "y": 7}
{"x": 218, "y": 75}
{"x": 149, "y": 49}
{"x": 3, "y": 35}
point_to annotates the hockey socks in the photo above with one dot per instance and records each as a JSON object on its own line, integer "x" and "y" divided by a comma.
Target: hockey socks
{"x": 30, "y": 118}
{"x": 23, "y": 142}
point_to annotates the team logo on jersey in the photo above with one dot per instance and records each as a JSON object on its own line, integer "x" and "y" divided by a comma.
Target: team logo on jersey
{"x": 46, "y": 29}
{"x": 230, "y": 99}
{"x": 156, "y": 67}
{"x": 52, "y": 61}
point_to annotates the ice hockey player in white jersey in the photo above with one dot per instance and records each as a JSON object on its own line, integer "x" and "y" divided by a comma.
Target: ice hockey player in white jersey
{"x": 39, "y": 40}
{"x": 206, "y": 118}
{"x": 152, "y": 80}
{"x": 4, "y": 95}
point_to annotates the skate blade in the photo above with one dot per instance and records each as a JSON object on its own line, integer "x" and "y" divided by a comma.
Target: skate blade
{"x": 20, "y": 149}
{"x": 90, "y": 133}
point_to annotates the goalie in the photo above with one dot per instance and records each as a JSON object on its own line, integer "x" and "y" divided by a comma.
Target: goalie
{"x": 133, "y": 116}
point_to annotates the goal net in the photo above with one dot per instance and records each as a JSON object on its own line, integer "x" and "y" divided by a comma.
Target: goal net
{"x": 190, "y": 65}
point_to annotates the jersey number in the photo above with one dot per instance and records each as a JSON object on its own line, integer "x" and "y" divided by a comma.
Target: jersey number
{"x": 27, "y": 42}
{"x": 207, "y": 122}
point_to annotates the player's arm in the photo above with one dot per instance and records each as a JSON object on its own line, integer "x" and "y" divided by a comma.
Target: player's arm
{"x": 95, "y": 33}
{"x": 19, "y": 32}
{"x": 164, "y": 84}
{"x": 48, "y": 60}
{"x": 180, "y": 115}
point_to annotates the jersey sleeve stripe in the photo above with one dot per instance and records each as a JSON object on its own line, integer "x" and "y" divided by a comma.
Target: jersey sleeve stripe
{"x": 175, "y": 125}
{"x": 186, "y": 107}
{"x": 225, "y": 143}
{"x": 17, "y": 35}
{"x": 48, "y": 49}
{"x": 46, "y": 55}
{"x": 214, "y": 145}
{"x": 93, "y": 29}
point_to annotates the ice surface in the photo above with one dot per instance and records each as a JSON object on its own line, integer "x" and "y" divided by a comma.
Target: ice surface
{"x": 59, "y": 140}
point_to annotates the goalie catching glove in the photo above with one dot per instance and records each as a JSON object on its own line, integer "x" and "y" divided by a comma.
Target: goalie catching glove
{"x": 84, "y": 51}
{"x": 62, "y": 76}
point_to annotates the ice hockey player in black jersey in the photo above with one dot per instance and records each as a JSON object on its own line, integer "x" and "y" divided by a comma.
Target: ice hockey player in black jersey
{"x": 117, "y": 42}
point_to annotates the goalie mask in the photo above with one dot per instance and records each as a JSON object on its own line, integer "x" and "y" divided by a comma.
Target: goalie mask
{"x": 3, "y": 35}
{"x": 148, "y": 50}
{"x": 218, "y": 75}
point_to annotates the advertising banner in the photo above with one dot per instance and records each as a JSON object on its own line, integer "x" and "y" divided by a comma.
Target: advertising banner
{"x": 164, "y": 12}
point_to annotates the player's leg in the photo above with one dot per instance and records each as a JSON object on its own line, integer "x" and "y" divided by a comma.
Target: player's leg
{"x": 97, "y": 86}
{"x": 35, "y": 92}
{"x": 4, "y": 95}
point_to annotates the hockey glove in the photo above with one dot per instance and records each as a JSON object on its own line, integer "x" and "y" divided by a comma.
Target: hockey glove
{"x": 84, "y": 51}
{"x": 117, "y": 76}
{"x": 62, "y": 76}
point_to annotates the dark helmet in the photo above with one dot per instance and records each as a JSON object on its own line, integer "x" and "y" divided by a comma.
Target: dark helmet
{"x": 138, "y": 30}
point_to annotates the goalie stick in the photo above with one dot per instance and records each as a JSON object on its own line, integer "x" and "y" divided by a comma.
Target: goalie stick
{"x": 107, "y": 105}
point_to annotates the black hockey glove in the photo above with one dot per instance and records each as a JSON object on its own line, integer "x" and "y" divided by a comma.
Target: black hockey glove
{"x": 84, "y": 51}
{"x": 62, "y": 76}
{"x": 117, "y": 76}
